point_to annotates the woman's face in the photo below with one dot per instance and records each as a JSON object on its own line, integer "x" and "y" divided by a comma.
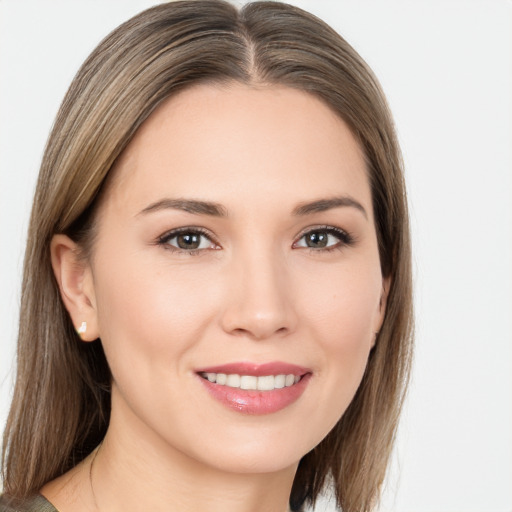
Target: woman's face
{"x": 236, "y": 238}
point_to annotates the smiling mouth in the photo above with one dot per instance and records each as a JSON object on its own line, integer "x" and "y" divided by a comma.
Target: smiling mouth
{"x": 252, "y": 382}
{"x": 255, "y": 388}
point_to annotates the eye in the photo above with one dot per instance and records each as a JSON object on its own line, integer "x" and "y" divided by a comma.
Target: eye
{"x": 187, "y": 239}
{"x": 327, "y": 238}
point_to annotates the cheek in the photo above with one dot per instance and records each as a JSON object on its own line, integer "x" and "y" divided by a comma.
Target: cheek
{"x": 342, "y": 303}
{"x": 149, "y": 315}
{"x": 341, "y": 312}
{"x": 152, "y": 319}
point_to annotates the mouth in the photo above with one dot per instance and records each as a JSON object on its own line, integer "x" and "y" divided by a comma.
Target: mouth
{"x": 255, "y": 388}
{"x": 252, "y": 382}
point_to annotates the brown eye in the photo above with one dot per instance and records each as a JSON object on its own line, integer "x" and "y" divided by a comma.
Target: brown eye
{"x": 316, "y": 239}
{"x": 324, "y": 238}
{"x": 187, "y": 240}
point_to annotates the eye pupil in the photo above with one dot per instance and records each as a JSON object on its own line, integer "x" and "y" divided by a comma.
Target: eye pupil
{"x": 188, "y": 241}
{"x": 317, "y": 239}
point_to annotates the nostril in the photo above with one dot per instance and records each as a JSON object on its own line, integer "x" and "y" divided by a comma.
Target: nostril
{"x": 259, "y": 332}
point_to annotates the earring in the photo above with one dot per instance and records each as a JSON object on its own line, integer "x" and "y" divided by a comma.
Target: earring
{"x": 83, "y": 327}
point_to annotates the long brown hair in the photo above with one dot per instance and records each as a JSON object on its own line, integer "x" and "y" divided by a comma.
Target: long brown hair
{"x": 61, "y": 405}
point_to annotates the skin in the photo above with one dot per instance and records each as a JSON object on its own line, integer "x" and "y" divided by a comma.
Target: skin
{"x": 254, "y": 291}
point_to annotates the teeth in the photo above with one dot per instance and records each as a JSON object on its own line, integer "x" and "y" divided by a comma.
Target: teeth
{"x": 266, "y": 383}
{"x": 289, "y": 380}
{"x": 279, "y": 381}
{"x": 263, "y": 383}
{"x": 233, "y": 380}
{"x": 248, "y": 382}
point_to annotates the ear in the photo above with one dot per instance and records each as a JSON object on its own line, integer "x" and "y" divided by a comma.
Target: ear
{"x": 386, "y": 283}
{"x": 76, "y": 286}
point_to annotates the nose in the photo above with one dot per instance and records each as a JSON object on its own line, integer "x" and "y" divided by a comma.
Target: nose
{"x": 260, "y": 301}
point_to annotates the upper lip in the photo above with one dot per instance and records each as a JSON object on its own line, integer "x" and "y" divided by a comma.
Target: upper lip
{"x": 257, "y": 369}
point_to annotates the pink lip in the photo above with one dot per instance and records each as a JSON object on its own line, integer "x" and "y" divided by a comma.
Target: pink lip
{"x": 244, "y": 368}
{"x": 253, "y": 401}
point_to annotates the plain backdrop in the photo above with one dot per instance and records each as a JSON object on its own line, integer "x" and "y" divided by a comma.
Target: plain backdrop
{"x": 446, "y": 67}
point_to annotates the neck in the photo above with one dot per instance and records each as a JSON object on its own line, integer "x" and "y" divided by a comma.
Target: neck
{"x": 133, "y": 470}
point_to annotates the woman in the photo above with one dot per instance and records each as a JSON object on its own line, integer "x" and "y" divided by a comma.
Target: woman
{"x": 216, "y": 307}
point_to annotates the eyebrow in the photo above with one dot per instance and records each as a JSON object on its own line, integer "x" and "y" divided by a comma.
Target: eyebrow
{"x": 322, "y": 205}
{"x": 217, "y": 210}
{"x": 187, "y": 205}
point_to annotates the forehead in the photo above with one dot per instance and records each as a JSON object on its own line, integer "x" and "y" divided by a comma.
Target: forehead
{"x": 236, "y": 144}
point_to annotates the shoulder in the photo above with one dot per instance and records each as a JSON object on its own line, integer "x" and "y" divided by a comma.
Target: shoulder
{"x": 36, "y": 503}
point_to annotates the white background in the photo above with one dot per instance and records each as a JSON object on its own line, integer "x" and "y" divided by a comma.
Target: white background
{"x": 446, "y": 67}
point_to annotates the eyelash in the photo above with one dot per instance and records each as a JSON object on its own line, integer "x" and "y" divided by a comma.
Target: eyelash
{"x": 345, "y": 239}
{"x": 165, "y": 238}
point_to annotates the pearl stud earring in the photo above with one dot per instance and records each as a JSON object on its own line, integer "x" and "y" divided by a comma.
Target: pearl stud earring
{"x": 83, "y": 327}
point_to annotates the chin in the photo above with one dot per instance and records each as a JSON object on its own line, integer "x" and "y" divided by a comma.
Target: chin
{"x": 265, "y": 448}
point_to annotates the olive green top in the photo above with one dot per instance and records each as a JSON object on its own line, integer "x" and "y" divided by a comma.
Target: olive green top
{"x": 35, "y": 503}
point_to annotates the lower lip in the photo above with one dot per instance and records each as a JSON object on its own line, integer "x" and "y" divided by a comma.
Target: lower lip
{"x": 256, "y": 402}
